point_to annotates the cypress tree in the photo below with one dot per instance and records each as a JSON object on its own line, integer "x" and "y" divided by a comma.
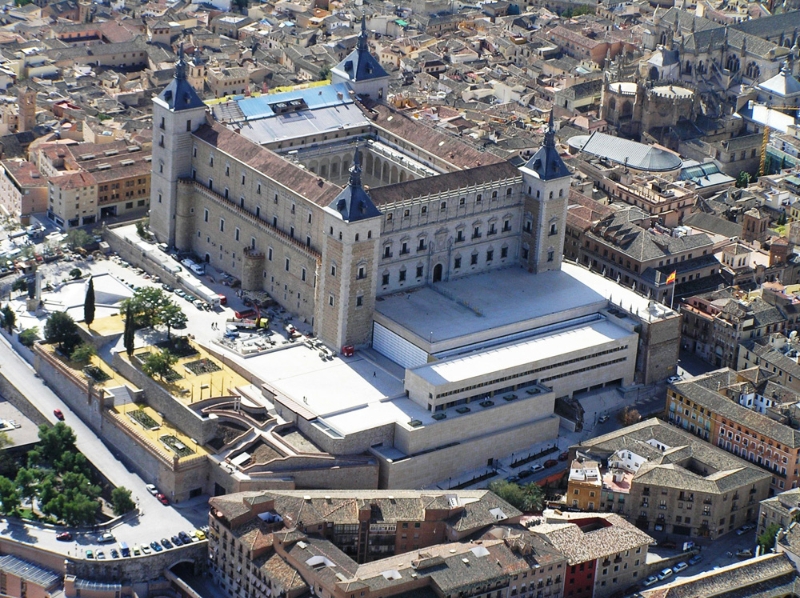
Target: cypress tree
{"x": 128, "y": 335}
{"x": 88, "y": 304}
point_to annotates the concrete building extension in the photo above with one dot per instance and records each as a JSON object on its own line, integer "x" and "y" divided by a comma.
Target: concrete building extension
{"x": 782, "y": 509}
{"x": 775, "y": 353}
{"x": 665, "y": 480}
{"x": 744, "y": 413}
{"x": 391, "y": 543}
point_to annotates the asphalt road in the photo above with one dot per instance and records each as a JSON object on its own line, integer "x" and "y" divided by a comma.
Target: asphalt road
{"x": 155, "y": 520}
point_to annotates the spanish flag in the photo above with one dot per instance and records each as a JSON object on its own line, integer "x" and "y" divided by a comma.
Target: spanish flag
{"x": 671, "y": 278}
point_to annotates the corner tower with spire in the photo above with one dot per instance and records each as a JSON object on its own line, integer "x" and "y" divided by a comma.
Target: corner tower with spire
{"x": 546, "y": 181}
{"x": 350, "y": 254}
{"x": 177, "y": 112}
{"x": 361, "y": 71}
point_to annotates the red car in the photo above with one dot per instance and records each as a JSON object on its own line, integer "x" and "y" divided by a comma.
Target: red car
{"x": 64, "y": 536}
{"x": 59, "y": 415}
{"x": 550, "y": 463}
{"x": 164, "y": 500}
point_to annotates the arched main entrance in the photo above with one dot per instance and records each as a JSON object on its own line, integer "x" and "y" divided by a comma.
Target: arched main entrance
{"x": 437, "y": 273}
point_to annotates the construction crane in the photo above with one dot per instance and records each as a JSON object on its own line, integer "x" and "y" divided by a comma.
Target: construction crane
{"x": 762, "y": 167}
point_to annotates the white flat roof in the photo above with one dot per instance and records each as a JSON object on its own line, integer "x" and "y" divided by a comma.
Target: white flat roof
{"x": 511, "y": 298}
{"x": 465, "y": 368}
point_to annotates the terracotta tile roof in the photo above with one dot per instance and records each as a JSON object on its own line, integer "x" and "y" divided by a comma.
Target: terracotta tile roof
{"x": 25, "y": 173}
{"x": 74, "y": 180}
{"x": 283, "y": 172}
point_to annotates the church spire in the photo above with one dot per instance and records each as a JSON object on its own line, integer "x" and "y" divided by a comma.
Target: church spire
{"x": 180, "y": 66}
{"x": 362, "y": 37}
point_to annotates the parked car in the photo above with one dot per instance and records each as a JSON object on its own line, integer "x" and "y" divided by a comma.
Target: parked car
{"x": 550, "y": 463}
{"x": 100, "y": 555}
{"x": 563, "y": 456}
{"x": 105, "y": 538}
{"x": 162, "y": 499}
{"x": 537, "y": 467}
{"x": 603, "y": 419}
{"x": 136, "y": 550}
{"x": 650, "y": 581}
{"x": 64, "y": 536}
{"x": 745, "y": 553}
{"x": 524, "y": 473}
{"x": 177, "y": 541}
{"x": 166, "y": 543}
{"x": 180, "y": 292}
{"x": 512, "y": 479}
{"x": 680, "y": 566}
{"x": 674, "y": 379}
{"x": 744, "y": 529}
{"x": 59, "y": 414}
{"x": 665, "y": 573}
{"x": 156, "y": 546}
{"x": 200, "y": 534}
{"x": 695, "y": 559}
{"x": 89, "y": 553}
{"x": 184, "y": 537}
{"x": 152, "y": 489}
{"x": 145, "y": 549}
{"x": 114, "y": 553}
{"x": 167, "y": 288}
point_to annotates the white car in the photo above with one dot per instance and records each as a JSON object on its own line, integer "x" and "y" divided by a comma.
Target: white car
{"x": 680, "y": 567}
{"x": 674, "y": 379}
{"x": 650, "y": 581}
{"x": 152, "y": 489}
{"x": 536, "y": 467}
{"x": 665, "y": 573}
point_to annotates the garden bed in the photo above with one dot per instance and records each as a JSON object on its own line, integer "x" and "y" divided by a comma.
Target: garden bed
{"x": 171, "y": 376}
{"x": 143, "y": 419}
{"x": 202, "y": 366}
{"x": 96, "y": 374}
{"x": 176, "y": 446}
{"x": 179, "y": 346}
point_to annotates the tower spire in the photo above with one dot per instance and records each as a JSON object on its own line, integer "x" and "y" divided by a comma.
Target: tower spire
{"x": 180, "y": 66}
{"x": 355, "y": 170}
{"x": 550, "y": 135}
{"x": 362, "y": 37}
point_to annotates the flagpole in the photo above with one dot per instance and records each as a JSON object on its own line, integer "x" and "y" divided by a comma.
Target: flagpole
{"x": 672, "y": 300}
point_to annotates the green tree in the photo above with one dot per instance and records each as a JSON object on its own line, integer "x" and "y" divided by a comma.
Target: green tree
{"x": 83, "y": 353}
{"x": 128, "y": 336}
{"x": 9, "y": 318}
{"x": 73, "y": 462}
{"x": 20, "y": 285}
{"x": 29, "y": 336}
{"x": 324, "y": 73}
{"x": 743, "y": 180}
{"x": 62, "y": 330}
{"x": 122, "y": 501}
{"x": 75, "y": 273}
{"x": 171, "y": 315}
{"x": 53, "y": 444}
{"x": 77, "y": 237}
{"x": 159, "y": 363}
{"x": 146, "y": 305}
{"x": 509, "y": 492}
{"x": 9, "y": 496}
{"x": 533, "y": 497}
{"x": 26, "y": 482}
{"x": 89, "y": 303}
{"x": 767, "y": 539}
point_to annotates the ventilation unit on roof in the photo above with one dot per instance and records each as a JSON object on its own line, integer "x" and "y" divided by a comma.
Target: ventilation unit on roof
{"x": 87, "y": 157}
{"x": 134, "y": 148}
{"x": 127, "y": 162}
{"x": 103, "y": 166}
{"x": 111, "y": 152}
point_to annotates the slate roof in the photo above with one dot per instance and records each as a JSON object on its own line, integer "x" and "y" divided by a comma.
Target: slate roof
{"x": 713, "y": 224}
{"x": 360, "y": 64}
{"x": 179, "y": 94}
{"x": 546, "y": 163}
{"x": 354, "y": 202}
{"x": 635, "y": 155}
